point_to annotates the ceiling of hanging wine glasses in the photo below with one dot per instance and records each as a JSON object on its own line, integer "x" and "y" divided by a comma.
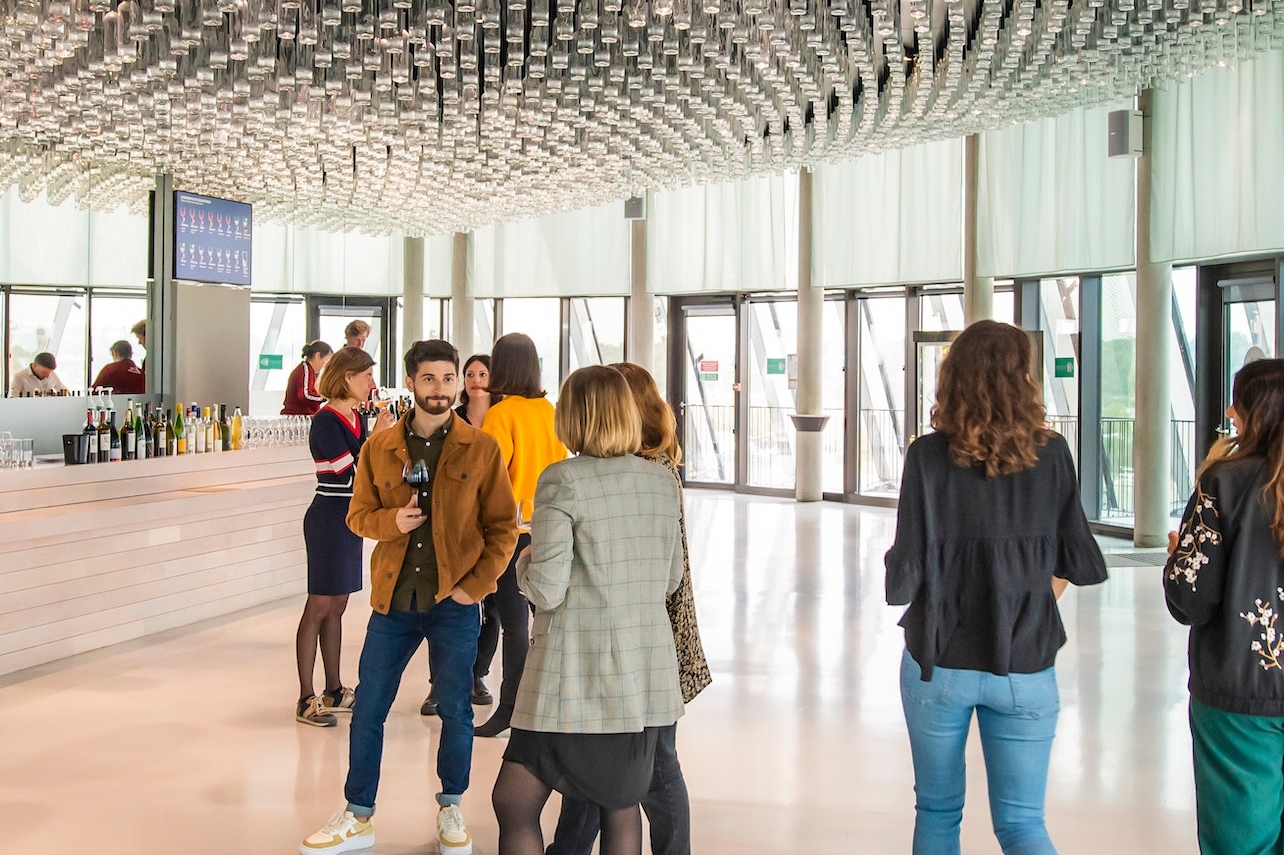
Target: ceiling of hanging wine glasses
{"x": 426, "y": 115}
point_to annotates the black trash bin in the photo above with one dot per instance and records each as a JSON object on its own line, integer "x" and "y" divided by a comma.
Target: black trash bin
{"x": 75, "y": 448}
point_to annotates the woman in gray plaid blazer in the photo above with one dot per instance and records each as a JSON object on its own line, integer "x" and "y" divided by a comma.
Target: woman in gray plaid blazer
{"x": 602, "y": 678}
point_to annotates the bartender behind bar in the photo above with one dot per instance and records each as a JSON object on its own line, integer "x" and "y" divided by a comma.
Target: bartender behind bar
{"x": 38, "y": 378}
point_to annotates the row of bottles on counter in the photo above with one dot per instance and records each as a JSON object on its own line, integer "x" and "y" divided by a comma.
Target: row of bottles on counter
{"x": 153, "y": 432}
{"x": 398, "y": 404}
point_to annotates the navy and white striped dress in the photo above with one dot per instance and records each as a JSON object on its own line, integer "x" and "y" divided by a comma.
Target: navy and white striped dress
{"x": 334, "y": 552}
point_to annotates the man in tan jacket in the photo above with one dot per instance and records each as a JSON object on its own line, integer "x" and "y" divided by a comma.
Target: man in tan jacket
{"x": 434, "y": 493}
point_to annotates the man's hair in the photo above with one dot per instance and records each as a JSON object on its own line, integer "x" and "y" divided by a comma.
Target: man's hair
{"x": 514, "y": 367}
{"x": 139, "y": 328}
{"x": 122, "y": 349}
{"x": 596, "y": 414}
{"x": 356, "y": 328}
{"x": 431, "y": 350}
{"x": 46, "y": 360}
{"x": 333, "y": 383}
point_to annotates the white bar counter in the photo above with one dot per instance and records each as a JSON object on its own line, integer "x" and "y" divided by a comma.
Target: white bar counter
{"x": 98, "y": 554}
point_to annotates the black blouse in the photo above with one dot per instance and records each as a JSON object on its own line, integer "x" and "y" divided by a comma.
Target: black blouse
{"x": 974, "y": 559}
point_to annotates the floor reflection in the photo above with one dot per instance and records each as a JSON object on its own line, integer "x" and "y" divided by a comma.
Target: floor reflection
{"x": 798, "y": 746}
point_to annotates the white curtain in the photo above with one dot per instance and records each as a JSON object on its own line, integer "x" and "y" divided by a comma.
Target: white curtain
{"x": 438, "y": 251}
{"x": 270, "y": 258}
{"x": 894, "y": 217}
{"x": 577, "y": 253}
{"x": 738, "y": 236}
{"x": 118, "y": 244}
{"x": 43, "y": 245}
{"x": 309, "y": 261}
{"x": 1218, "y": 163}
{"x": 1051, "y": 200}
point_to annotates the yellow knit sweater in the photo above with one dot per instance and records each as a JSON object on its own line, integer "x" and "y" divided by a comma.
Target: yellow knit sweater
{"x": 523, "y": 427}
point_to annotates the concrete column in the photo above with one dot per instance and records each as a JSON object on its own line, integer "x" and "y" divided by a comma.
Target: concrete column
{"x": 412, "y": 317}
{"x": 809, "y": 459}
{"x": 1152, "y": 439}
{"x": 978, "y": 291}
{"x": 461, "y": 303}
{"x": 641, "y": 338}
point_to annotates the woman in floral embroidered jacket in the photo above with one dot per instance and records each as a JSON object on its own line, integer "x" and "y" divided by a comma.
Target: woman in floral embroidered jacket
{"x": 1225, "y": 580}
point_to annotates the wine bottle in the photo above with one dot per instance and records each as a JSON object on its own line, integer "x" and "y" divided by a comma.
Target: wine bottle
{"x": 128, "y": 439}
{"x": 167, "y": 434}
{"x": 224, "y": 429}
{"x": 114, "y": 450}
{"x": 146, "y": 438}
{"x": 238, "y": 425}
{"x": 197, "y": 428}
{"x": 90, "y": 434}
{"x": 104, "y": 437}
{"x": 180, "y": 432}
{"x": 211, "y": 430}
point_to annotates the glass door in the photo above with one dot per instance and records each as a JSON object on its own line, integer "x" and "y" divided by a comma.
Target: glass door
{"x": 773, "y": 333}
{"x": 1249, "y": 325}
{"x": 328, "y": 317}
{"x": 1237, "y": 321}
{"x": 709, "y": 392}
{"x": 929, "y": 351}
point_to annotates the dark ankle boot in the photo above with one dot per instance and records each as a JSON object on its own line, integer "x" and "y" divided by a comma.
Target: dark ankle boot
{"x": 481, "y": 695}
{"x": 497, "y": 724}
{"x": 430, "y": 703}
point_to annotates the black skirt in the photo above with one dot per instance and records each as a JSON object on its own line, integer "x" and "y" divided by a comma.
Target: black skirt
{"x": 612, "y": 770}
{"x": 334, "y": 552}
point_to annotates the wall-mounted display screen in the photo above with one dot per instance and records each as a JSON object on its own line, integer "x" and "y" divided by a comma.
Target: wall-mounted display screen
{"x": 212, "y": 239}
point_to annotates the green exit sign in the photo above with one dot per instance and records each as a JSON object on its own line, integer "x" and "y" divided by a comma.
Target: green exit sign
{"x": 775, "y": 366}
{"x": 1064, "y": 366}
{"x": 271, "y": 361}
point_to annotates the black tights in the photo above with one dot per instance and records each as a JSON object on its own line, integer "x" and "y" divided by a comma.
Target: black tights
{"x": 519, "y": 798}
{"x": 321, "y": 625}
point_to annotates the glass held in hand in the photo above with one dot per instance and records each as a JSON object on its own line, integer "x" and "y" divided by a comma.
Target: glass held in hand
{"x": 524, "y": 508}
{"x": 415, "y": 473}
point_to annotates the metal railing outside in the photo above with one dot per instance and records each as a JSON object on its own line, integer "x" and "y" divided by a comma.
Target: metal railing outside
{"x": 711, "y": 437}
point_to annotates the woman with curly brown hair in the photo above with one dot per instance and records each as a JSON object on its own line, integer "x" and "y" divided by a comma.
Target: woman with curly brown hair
{"x": 989, "y": 532}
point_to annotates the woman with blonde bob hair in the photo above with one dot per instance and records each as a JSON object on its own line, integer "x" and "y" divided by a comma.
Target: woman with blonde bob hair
{"x": 989, "y": 531}
{"x": 601, "y": 683}
{"x": 666, "y": 803}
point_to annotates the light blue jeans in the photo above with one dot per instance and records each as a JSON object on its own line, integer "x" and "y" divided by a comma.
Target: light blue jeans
{"x": 1017, "y": 716}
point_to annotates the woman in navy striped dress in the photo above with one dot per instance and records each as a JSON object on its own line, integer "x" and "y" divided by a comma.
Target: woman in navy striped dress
{"x": 334, "y": 552}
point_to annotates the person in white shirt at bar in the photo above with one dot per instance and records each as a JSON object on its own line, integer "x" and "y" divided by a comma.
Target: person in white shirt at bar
{"x": 37, "y": 378}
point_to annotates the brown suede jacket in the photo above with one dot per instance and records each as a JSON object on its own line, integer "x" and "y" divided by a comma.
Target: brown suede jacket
{"x": 474, "y": 516}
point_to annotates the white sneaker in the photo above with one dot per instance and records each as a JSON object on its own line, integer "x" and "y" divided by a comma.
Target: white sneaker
{"x": 452, "y": 832}
{"x": 343, "y": 833}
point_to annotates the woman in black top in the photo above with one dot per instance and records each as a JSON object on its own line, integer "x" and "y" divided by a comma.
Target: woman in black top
{"x": 988, "y": 534}
{"x": 1225, "y": 580}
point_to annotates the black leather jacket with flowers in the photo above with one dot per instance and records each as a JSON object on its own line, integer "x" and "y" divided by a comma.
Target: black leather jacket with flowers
{"x": 1225, "y": 580}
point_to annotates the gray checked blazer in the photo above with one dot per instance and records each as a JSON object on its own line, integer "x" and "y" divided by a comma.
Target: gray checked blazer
{"x": 605, "y": 553}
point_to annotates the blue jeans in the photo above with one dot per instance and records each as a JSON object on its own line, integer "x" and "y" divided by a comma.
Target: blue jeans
{"x": 451, "y": 631}
{"x": 668, "y": 810}
{"x": 1017, "y": 716}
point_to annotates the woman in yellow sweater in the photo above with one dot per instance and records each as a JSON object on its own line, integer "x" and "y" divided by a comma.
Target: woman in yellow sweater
{"x": 522, "y": 424}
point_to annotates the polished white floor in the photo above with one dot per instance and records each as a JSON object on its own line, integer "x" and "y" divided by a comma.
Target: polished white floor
{"x": 185, "y": 743}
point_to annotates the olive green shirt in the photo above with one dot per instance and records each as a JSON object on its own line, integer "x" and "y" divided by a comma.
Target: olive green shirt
{"x": 416, "y": 587}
